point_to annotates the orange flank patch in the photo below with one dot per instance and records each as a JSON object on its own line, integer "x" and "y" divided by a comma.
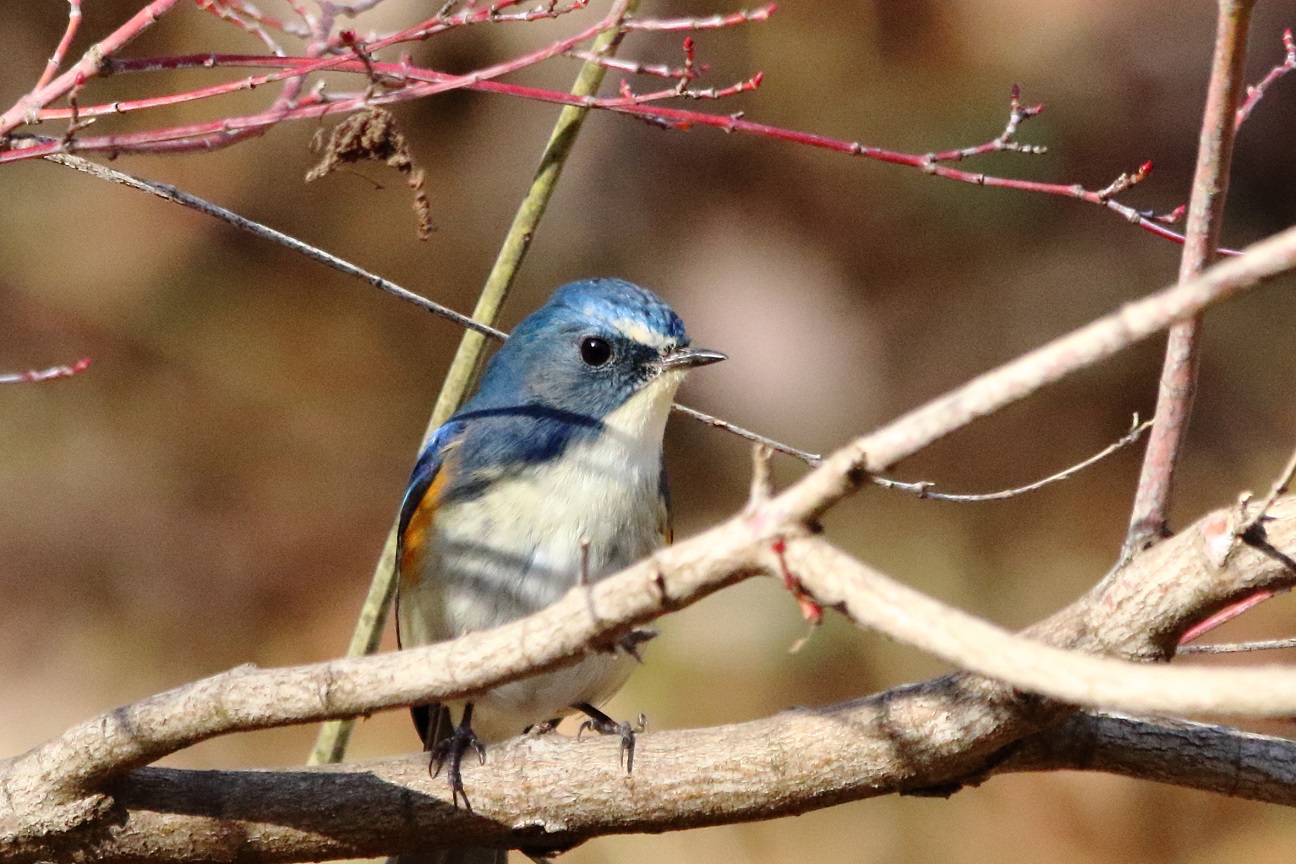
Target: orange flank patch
{"x": 418, "y": 531}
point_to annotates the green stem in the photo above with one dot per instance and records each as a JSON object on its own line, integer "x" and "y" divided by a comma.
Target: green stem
{"x": 331, "y": 743}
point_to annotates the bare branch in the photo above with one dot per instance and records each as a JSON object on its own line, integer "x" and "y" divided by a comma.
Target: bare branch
{"x": 1279, "y": 488}
{"x": 1238, "y": 647}
{"x": 88, "y": 66}
{"x": 926, "y": 488}
{"x": 1179, "y": 752}
{"x": 714, "y": 22}
{"x": 46, "y": 374}
{"x": 175, "y": 196}
{"x": 1257, "y": 91}
{"x": 56, "y": 59}
{"x": 911, "y": 738}
{"x": 1006, "y": 140}
{"x": 1148, "y": 519}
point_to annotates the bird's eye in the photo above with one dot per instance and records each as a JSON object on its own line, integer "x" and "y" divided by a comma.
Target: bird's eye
{"x": 595, "y": 351}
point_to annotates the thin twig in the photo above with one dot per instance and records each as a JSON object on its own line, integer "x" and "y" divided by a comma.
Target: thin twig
{"x": 811, "y": 459}
{"x": 1239, "y": 647}
{"x": 1257, "y": 91}
{"x": 923, "y": 489}
{"x": 245, "y": 19}
{"x": 1279, "y": 488}
{"x": 46, "y": 374}
{"x": 170, "y": 193}
{"x": 86, "y": 67}
{"x": 714, "y": 22}
{"x": 1006, "y": 140}
{"x": 1228, "y": 613}
{"x": 1244, "y": 532}
{"x": 56, "y": 59}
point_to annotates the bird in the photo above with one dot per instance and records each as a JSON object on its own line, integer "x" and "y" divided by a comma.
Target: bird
{"x": 550, "y": 476}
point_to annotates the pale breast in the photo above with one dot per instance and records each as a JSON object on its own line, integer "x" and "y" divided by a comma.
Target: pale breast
{"x": 517, "y": 547}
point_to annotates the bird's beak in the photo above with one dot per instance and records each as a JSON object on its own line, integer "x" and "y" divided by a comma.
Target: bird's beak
{"x": 687, "y": 358}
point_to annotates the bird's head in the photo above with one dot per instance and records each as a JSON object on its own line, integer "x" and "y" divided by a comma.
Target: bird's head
{"x": 594, "y": 347}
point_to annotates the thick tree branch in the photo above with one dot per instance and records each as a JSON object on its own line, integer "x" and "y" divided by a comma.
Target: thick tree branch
{"x": 1178, "y": 752}
{"x": 551, "y": 791}
{"x": 874, "y": 600}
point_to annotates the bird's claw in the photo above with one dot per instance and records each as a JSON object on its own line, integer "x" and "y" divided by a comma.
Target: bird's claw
{"x": 450, "y": 751}
{"x": 605, "y": 725}
{"x": 631, "y": 641}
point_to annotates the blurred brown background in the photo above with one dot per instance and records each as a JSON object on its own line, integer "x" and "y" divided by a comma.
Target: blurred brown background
{"x": 216, "y": 488}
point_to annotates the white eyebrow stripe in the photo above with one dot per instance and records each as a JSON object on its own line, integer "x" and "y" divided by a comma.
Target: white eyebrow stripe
{"x": 637, "y": 331}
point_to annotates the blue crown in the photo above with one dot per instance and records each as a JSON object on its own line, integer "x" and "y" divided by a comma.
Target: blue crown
{"x": 608, "y": 300}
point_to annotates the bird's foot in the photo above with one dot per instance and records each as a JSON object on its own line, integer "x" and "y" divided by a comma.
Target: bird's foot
{"x": 605, "y": 725}
{"x": 450, "y": 752}
{"x": 630, "y": 642}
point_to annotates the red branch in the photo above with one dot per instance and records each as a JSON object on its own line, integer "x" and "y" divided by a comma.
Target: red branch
{"x": 46, "y": 374}
{"x": 87, "y": 67}
{"x": 1256, "y": 91}
{"x": 393, "y": 82}
{"x": 204, "y": 135}
{"x": 715, "y": 22}
{"x": 56, "y": 59}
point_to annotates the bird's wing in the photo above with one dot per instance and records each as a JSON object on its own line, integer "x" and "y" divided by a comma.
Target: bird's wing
{"x": 423, "y": 495}
{"x": 665, "y": 524}
{"x": 416, "y": 517}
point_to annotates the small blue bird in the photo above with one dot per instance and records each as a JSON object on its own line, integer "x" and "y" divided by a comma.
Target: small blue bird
{"x": 552, "y": 473}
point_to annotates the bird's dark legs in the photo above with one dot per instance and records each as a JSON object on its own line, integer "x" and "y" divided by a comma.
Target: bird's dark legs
{"x": 605, "y": 725}
{"x": 451, "y": 750}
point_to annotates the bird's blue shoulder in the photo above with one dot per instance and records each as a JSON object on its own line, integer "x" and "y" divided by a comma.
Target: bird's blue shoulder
{"x": 427, "y": 469}
{"x": 515, "y": 436}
